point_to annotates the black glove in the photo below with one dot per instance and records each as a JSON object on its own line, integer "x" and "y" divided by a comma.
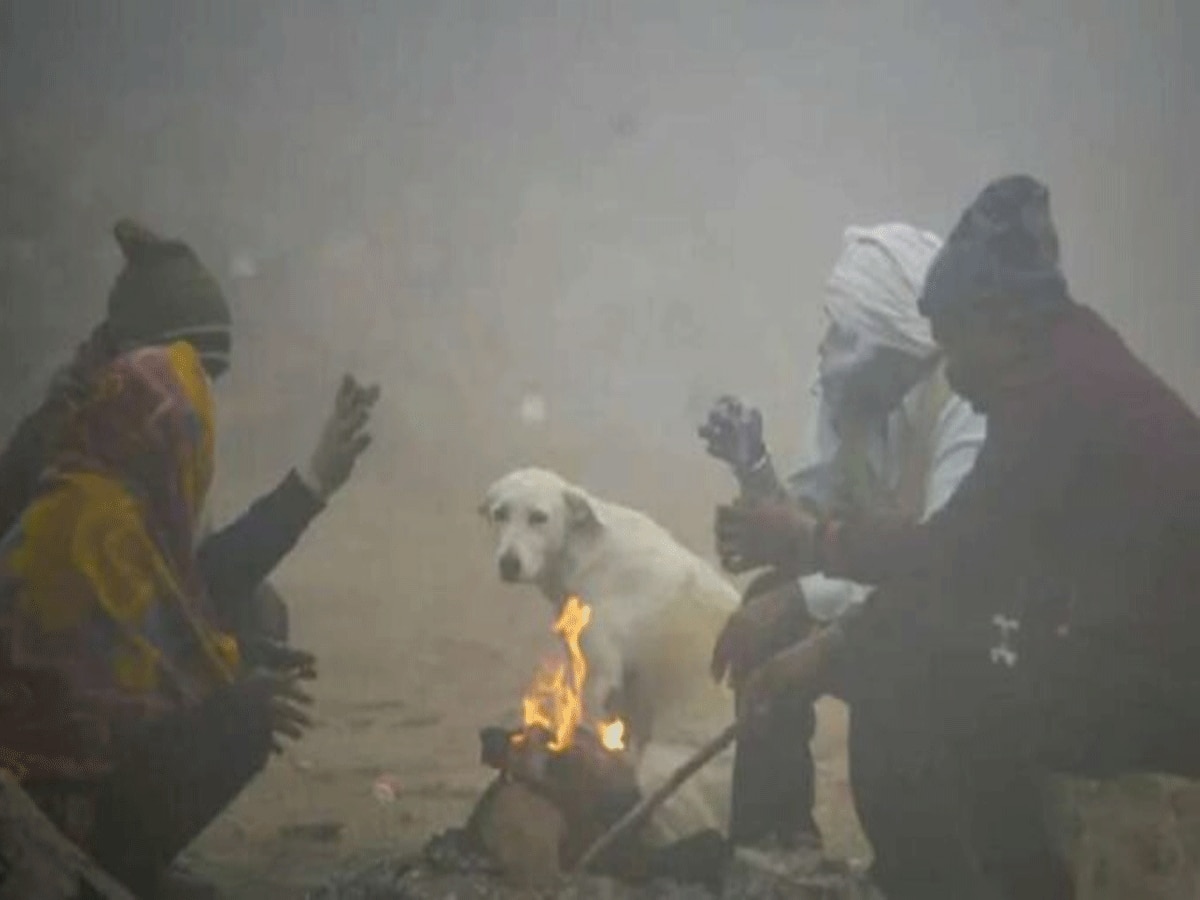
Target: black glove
{"x": 734, "y": 434}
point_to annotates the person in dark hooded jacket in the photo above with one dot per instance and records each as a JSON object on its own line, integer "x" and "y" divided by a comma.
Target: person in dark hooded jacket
{"x": 1046, "y": 618}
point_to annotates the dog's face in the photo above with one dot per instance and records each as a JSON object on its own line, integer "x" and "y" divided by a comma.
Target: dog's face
{"x": 534, "y": 514}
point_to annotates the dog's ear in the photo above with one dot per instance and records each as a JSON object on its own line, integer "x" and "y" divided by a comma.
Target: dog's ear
{"x": 580, "y": 513}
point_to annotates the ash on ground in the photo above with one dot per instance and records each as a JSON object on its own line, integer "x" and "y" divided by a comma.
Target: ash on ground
{"x": 449, "y": 868}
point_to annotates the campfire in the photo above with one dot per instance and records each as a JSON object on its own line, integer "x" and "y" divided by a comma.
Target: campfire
{"x": 569, "y": 771}
{"x": 553, "y": 705}
{"x": 564, "y": 778}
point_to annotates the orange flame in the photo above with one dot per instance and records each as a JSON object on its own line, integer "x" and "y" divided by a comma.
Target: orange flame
{"x": 554, "y": 702}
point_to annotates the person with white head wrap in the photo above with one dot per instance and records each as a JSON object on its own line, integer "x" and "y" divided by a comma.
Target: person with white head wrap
{"x": 885, "y": 415}
{"x": 887, "y": 434}
{"x": 875, "y": 283}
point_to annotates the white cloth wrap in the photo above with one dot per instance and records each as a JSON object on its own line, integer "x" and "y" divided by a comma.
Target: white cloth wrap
{"x": 873, "y": 289}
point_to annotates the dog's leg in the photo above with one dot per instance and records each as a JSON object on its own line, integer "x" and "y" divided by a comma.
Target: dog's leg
{"x": 634, "y": 708}
{"x": 604, "y": 673}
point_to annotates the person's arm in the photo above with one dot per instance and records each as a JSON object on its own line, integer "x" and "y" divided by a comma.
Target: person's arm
{"x": 235, "y": 560}
{"x": 1020, "y": 476}
{"x": 733, "y": 434}
{"x": 959, "y": 435}
{"x": 761, "y": 481}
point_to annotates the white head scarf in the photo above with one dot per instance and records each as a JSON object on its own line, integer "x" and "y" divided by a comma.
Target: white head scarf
{"x": 873, "y": 289}
{"x": 871, "y": 296}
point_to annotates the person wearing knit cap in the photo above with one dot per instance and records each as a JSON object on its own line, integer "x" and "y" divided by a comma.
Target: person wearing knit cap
{"x": 164, "y": 294}
{"x": 888, "y": 434}
{"x": 165, "y": 297}
{"x": 161, "y": 294}
{"x": 1044, "y": 619}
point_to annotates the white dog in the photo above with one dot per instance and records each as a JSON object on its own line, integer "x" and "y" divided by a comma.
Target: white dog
{"x": 657, "y": 609}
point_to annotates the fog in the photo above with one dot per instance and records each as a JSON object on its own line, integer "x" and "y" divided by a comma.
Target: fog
{"x": 625, "y": 207}
{"x": 629, "y": 206}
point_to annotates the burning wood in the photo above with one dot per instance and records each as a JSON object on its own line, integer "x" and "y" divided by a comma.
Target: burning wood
{"x": 564, "y": 778}
{"x": 546, "y": 807}
{"x": 557, "y": 766}
{"x": 590, "y": 786}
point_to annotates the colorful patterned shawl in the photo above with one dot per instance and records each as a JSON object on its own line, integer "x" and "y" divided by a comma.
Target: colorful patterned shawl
{"x": 103, "y": 616}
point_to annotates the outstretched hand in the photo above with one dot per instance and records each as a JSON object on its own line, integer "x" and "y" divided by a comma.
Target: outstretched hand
{"x": 733, "y": 433}
{"x": 343, "y": 438}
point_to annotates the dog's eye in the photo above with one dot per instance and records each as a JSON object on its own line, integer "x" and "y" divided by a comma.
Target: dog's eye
{"x": 500, "y": 515}
{"x": 537, "y": 517}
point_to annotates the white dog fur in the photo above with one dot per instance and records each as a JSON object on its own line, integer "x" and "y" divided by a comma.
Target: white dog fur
{"x": 657, "y": 609}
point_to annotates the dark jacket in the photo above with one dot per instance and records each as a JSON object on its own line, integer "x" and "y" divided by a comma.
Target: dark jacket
{"x": 1081, "y": 517}
{"x": 236, "y": 560}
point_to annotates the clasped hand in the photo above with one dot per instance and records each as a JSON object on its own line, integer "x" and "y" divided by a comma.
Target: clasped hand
{"x": 774, "y": 533}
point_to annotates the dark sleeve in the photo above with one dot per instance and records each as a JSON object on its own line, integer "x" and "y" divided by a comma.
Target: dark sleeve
{"x": 1018, "y": 485}
{"x": 235, "y": 560}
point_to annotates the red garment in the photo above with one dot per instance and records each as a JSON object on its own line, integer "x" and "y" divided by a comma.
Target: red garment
{"x": 1082, "y": 511}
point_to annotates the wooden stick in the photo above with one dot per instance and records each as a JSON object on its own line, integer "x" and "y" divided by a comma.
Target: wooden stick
{"x": 646, "y": 807}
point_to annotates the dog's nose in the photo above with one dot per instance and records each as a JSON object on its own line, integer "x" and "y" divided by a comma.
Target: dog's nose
{"x": 510, "y": 567}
